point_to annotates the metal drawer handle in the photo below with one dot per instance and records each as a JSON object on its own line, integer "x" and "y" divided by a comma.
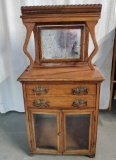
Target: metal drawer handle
{"x": 41, "y": 103}
{"x": 79, "y": 90}
{"x": 40, "y": 89}
{"x": 79, "y": 102}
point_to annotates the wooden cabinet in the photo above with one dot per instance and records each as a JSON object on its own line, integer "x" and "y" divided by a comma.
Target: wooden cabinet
{"x": 61, "y": 94}
{"x": 61, "y": 131}
{"x": 62, "y": 115}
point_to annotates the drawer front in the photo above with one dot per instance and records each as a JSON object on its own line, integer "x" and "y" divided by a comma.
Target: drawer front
{"x": 62, "y": 101}
{"x": 60, "y": 89}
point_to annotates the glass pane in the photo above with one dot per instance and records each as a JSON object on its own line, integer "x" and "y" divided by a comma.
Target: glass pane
{"x": 61, "y": 43}
{"x": 77, "y": 131}
{"x": 45, "y": 131}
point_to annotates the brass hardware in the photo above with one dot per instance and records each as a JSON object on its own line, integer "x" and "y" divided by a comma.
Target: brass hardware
{"x": 41, "y": 103}
{"x": 40, "y": 89}
{"x": 59, "y": 134}
{"x": 79, "y": 90}
{"x": 79, "y": 102}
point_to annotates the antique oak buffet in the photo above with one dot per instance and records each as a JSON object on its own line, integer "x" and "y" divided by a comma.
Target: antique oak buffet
{"x": 61, "y": 86}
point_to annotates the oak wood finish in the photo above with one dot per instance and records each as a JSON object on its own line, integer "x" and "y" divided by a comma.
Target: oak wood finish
{"x": 29, "y": 28}
{"x": 59, "y": 89}
{"x": 113, "y": 73}
{"x": 68, "y": 91}
{"x": 66, "y": 74}
{"x": 37, "y": 16}
{"x": 63, "y": 101}
{"x": 91, "y": 27}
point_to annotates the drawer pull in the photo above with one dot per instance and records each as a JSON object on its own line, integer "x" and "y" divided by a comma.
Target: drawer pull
{"x": 40, "y": 89}
{"x": 41, "y": 103}
{"x": 79, "y": 90}
{"x": 79, "y": 102}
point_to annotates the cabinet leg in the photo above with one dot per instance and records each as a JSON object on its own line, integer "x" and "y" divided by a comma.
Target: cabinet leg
{"x": 91, "y": 155}
{"x": 31, "y": 154}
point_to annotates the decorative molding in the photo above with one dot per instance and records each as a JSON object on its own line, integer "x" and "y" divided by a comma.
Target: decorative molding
{"x": 29, "y": 27}
{"x": 65, "y": 9}
{"x": 91, "y": 27}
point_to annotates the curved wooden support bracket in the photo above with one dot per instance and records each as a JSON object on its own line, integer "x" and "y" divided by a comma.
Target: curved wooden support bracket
{"x": 91, "y": 27}
{"x": 29, "y": 27}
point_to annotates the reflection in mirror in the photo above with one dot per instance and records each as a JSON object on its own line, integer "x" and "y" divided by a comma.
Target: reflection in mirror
{"x": 61, "y": 43}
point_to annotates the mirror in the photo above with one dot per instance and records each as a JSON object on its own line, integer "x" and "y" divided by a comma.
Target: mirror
{"x": 61, "y": 43}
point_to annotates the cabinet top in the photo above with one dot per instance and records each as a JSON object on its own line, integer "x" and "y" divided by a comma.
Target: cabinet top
{"x": 59, "y": 9}
{"x": 62, "y": 74}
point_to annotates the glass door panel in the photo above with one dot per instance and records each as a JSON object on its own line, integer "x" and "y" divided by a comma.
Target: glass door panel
{"x": 61, "y": 43}
{"x": 45, "y": 126}
{"x": 77, "y": 130}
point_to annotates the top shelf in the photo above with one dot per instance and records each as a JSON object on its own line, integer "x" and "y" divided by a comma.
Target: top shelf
{"x": 85, "y": 11}
{"x": 62, "y": 74}
{"x": 27, "y": 10}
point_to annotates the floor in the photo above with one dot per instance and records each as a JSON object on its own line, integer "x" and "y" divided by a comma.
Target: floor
{"x": 14, "y": 145}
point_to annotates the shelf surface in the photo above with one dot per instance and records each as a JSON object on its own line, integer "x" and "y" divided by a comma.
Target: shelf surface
{"x": 62, "y": 74}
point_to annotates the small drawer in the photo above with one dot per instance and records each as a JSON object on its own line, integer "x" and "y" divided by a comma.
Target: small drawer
{"x": 62, "y": 101}
{"x": 60, "y": 89}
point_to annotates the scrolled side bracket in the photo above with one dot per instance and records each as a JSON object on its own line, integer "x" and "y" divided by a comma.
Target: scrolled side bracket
{"x": 91, "y": 27}
{"x": 29, "y": 28}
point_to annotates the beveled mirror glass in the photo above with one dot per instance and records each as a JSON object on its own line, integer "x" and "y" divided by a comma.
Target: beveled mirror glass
{"x": 61, "y": 43}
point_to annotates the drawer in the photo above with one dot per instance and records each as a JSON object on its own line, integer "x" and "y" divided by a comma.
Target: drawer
{"x": 62, "y": 101}
{"x": 60, "y": 89}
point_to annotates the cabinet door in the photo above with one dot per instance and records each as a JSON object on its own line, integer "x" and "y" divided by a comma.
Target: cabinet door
{"x": 45, "y": 131}
{"x": 78, "y": 127}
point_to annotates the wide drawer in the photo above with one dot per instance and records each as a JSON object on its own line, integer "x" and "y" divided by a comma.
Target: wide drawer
{"x": 60, "y": 89}
{"x": 62, "y": 101}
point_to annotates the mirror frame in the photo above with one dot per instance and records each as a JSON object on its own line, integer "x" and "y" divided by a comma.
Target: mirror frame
{"x": 54, "y": 27}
